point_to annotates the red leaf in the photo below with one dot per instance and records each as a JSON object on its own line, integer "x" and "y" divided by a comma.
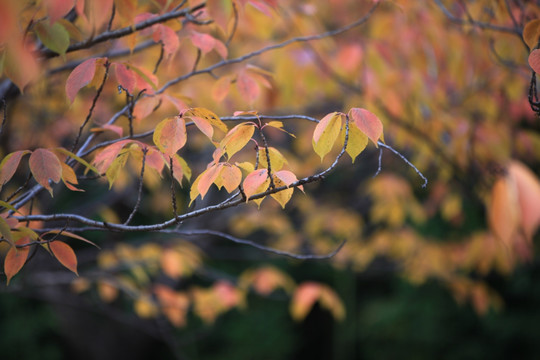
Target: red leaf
{"x": 125, "y": 77}
{"x": 9, "y": 165}
{"x": 45, "y": 166}
{"x": 64, "y": 254}
{"x": 80, "y": 77}
{"x": 57, "y": 9}
{"x": 169, "y": 39}
{"x": 15, "y": 258}
{"x": 204, "y": 42}
{"x": 534, "y": 60}
{"x": 368, "y": 123}
{"x": 248, "y": 87}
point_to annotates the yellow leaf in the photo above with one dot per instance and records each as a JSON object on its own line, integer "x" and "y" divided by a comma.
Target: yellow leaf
{"x": 237, "y": 138}
{"x": 326, "y": 133}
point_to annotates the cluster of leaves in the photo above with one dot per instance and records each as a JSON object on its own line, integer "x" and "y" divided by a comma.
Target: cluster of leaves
{"x": 120, "y": 83}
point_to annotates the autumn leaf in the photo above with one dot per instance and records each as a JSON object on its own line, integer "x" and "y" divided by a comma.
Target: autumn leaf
{"x": 105, "y": 158}
{"x": 534, "y": 60}
{"x": 125, "y": 77}
{"x": 45, "y": 166}
{"x": 16, "y": 258}
{"x": 308, "y": 293}
{"x": 284, "y": 178}
{"x": 504, "y": 209}
{"x": 5, "y": 230}
{"x": 221, "y": 88}
{"x": 168, "y": 37}
{"x": 266, "y": 279}
{"x": 528, "y": 197}
{"x": 9, "y": 165}
{"x": 277, "y": 160}
{"x": 64, "y": 254}
{"x": 69, "y": 178}
{"x": 170, "y": 135}
{"x": 207, "y": 178}
{"x": 248, "y": 87}
{"x": 368, "y": 123}
{"x": 237, "y": 138}
{"x": 254, "y": 181}
{"x": 206, "y": 115}
{"x": 531, "y": 32}
{"x": 207, "y": 43}
{"x": 230, "y": 176}
{"x": 81, "y": 76}
{"x": 357, "y": 141}
{"x": 20, "y": 63}
{"x": 58, "y": 9}
{"x": 326, "y": 133}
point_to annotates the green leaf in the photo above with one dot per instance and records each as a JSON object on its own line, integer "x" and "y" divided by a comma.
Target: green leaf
{"x": 55, "y": 37}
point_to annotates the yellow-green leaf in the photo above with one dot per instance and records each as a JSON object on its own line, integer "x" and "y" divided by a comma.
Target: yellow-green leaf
{"x": 55, "y": 37}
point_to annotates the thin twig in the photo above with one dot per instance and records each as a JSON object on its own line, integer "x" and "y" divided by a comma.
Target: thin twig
{"x": 139, "y": 192}
{"x": 406, "y": 161}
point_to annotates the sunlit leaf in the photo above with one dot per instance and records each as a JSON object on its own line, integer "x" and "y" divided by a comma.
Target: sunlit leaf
{"x": 254, "y": 181}
{"x": 170, "y": 135}
{"x": 237, "y": 138}
{"x": 368, "y": 123}
{"x": 231, "y": 177}
{"x": 326, "y": 133}
{"x": 207, "y": 178}
{"x": 357, "y": 141}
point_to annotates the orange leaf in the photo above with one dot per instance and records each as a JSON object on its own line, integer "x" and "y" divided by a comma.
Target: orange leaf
{"x": 105, "y": 158}
{"x": 170, "y": 135}
{"x": 231, "y": 177}
{"x": 534, "y": 60}
{"x": 45, "y": 166}
{"x": 9, "y": 165}
{"x": 69, "y": 178}
{"x": 207, "y": 178}
{"x": 80, "y": 77}
{"x": 368, "y": 123}
{"x": 531, "y": 31}
{"x": 303, "y": 299}
{"x": 253, "y": 182}
{"x": 20, "y": 64}
{"x": 64, "y": 254}
{"x": 221, "y": 88}
{"x": 15, "y": 258}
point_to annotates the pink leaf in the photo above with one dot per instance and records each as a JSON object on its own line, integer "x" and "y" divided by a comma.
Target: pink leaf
{"x": 534, "y": 60}
{"x": 203, "y": 42}
{"x": 125, "y": 77}
{"x": 367, "y": 122}
{"x": 80, "y": 77}
{"x": 57, "y": 9}
{"x": 253, "y": 181}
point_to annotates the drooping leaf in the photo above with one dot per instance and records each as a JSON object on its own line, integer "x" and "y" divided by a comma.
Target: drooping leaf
{"x": 254, "y": 181}
{"x": 8, "y": 206}
{"x": 104, "y": 159}
{"x": 16, "y": 258}
{"x": 326, "y": 133}
{"x": 534, "y": 60}
{"x": 71, "y": 235}
{"x": 357, "y": 141}
{"x": 78, "y": 159}
{"x": 231, "y": 177}
{"x": 125, "y": 77}
{"x": 55, "y": 37}
{"x": 9, "y": 165}
{"x": 277, "y": 160}
{"x": 266, "y": 279}
{"x": 20, "y": 64}
{"x": 248, "y": 87}
{"x": 279, "y": 125}
{"x": 5, "y": 230}
{"x": 528, "y": 196}
{"x": 237, "y": 138}
{"x": 58, "y": 9}
{"x": 145, "y": 79}
{"x": 145, "y": 106}
{"x": 168, "y": 37}
{"x": 45, "y": 166}
{"x": 368, "y": 123}
{"x": 220, "y": 11}
{"x": 170, "y": 135}
{"x": 116, "y": 166}
{"x": 64, "y": 254}
{"x": 80, "y": 77}
{"x": 531, "y": 32}
{"x": 504, "y": 209}
{"x": 69, "y": 178}
{"x": 203, "y": 125}
{"x": 181, "y": 169}
{"x": 283, "y": 196}
{"x": 208, "y": 115}
{"x": 308, "y": 293}
{"x": 207, "y": 178}
{"x": 207, "y": 43}
{"x": 221, "y": 88}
